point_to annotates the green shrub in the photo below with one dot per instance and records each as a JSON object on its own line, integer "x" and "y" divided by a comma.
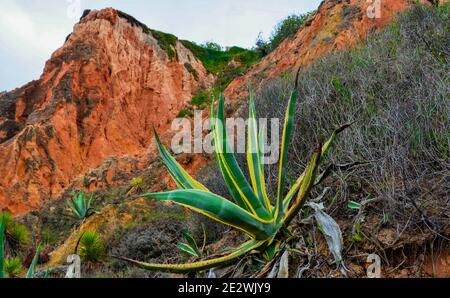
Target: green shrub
{"x": 185, "y": 112}
{"x": 216, "y": 61}
{"x": 13, "y": 267}
{"x": 136, "y": 182}
{"x": 91, "y": 247}
{"x": 18, "y": 233}
{"x": 287, "y": 28}
{"x": 166, "y": 41}
{"x": 7, "y": 219}
{"x": 202, "y": 100}
{"x": 212, "y": 46}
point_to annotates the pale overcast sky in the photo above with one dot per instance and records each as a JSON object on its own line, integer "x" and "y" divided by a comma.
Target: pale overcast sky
{"x": 31, "y": 30}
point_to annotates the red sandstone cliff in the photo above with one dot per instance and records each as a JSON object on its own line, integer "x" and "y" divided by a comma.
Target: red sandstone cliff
{"x": 99, "y": 97}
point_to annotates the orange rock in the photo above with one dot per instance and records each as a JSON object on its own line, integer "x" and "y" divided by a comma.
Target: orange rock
{"x": 99, "y": 97}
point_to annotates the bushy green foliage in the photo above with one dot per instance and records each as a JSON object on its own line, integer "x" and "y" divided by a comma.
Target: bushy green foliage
{"x": 166, "y": 41}
{"x": 212, "y": 46}
{"x": 287, "y": 28}
{"x": 91, "y": 247}
{"x": 12, "y": 267}
{"x": 19, "y": 233}
{"x": 185, "y": 112}
{"x": 136, "y": 182}
{"x": 216, "y": 61}
{"x": 202, "y": 99}
{"x": 225, "y": 64}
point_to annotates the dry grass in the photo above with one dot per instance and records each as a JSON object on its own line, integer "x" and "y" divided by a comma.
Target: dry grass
{"x": 397, "y": 89}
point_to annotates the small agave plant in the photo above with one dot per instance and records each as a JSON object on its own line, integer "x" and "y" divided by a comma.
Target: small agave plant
{"x": 190, "y": 246}
{"x": 261, "y": 218}
{"x": 80, "y": 205}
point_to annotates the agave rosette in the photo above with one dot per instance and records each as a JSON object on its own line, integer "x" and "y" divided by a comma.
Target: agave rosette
{"x": 252, "y": 211}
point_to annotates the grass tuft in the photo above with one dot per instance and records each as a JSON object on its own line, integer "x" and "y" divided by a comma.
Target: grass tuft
{"x": 13, "y": 267}
{"x": 91, "y": 247}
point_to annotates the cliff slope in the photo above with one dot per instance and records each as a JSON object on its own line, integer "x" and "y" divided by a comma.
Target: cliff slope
{"x": 98, "y": 97}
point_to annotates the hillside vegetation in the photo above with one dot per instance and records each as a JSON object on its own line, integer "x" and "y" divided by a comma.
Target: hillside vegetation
{"x": 286, "y": 28}
{"x": 394, "y": 161}
{"x": 387, "y": 178}
{"x": 225, "y": 64}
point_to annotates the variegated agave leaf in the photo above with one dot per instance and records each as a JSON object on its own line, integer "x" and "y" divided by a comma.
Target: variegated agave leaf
{"x": 252, "y": 211}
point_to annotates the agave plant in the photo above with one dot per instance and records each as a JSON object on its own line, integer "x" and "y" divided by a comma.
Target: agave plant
{"x": 261, "y": 218}
{"x": 190, "y": 246}
{"x": 80, "y": 205}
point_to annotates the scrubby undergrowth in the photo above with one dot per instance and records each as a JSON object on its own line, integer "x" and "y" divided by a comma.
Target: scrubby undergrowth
{"x": 397, "y": 90}
{"x": 395, "y": 158}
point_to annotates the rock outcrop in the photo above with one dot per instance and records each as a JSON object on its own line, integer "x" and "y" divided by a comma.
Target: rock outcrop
{"x": 98, "y": 98}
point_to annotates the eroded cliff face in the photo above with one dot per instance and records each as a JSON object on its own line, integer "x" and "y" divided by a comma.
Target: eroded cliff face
{"x": 88, "y": 120}
{"x": 98, "y": 99}
{"x": 337, "y": 24}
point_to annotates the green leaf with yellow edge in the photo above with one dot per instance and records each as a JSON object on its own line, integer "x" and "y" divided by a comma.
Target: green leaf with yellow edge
{"x": 236, "y": 182}
{"x": 294, "y": 189}
{"x": 308, "y": 183}
{"x": 285, "y": 141}
{"x": 254, "y": 157}
{"x": 179, "y": 175}
{"x": 191, "y": 241}
{"x": 189, "y": 249}
{"x": 219, "y": 209}
{"x": 201, "y": 265}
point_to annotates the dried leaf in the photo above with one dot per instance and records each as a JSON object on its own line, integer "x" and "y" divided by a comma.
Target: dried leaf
{"x": 283, "y": 272}
{"x": 331, "y": 231}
